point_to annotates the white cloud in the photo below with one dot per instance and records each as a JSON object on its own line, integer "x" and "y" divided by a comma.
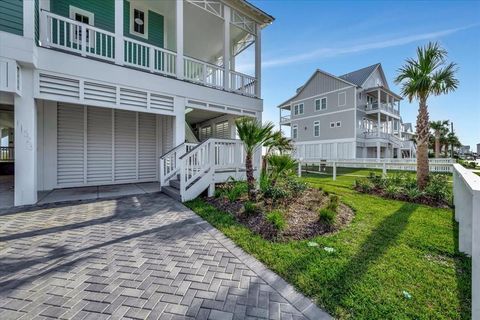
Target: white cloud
{"x": 335, "y": 51}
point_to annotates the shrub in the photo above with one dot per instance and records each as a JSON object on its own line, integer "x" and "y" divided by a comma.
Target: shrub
{"x": 235, "y": 190}
{"x": 378, "y": 181}
{"x": 327, "y": 216}
{"x": 249, "y": 207}
{"x": 393, "y": 191}
{"x": 294, "y": 185}
{"x": 364, "y": 185}
{"x": 437, "y": 187}
{"x": 275, "y": 193}
{"x": 264, "y": 181}
{"x": 333, "y": 202}
{"x": 413, "y": 193}
{"x": 277, "y": 219}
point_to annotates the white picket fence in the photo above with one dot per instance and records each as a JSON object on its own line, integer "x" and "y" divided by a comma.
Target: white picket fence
{"x": 466, "y": 198}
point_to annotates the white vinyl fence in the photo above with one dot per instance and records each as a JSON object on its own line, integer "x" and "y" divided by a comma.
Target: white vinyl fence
{"x": 466, "y": 198}
{"x": 385, "y": 164}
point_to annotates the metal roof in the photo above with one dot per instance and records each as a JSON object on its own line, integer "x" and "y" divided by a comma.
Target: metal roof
{"x": 358, "y": 77}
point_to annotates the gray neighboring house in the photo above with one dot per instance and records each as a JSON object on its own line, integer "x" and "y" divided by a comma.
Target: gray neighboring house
{"x": 354, "y": 115}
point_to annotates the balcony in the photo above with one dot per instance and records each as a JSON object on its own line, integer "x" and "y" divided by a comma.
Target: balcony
{"x": 374, "y": 135}
{"x": 71, "y": 36}
{"x": 387, "y": 107}
{"x": 284, "y": 119}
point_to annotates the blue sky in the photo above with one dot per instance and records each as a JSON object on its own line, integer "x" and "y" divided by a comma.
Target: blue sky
{"x": 342, "y": 36}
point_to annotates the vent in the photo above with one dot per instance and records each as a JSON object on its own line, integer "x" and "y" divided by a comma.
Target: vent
{"x": 133, "y": 98}
{"x": 197, "y": 103}
{"x": 161, "y": 102}
{"x": 59, "y": 86}
{"x": 99, "y": 92}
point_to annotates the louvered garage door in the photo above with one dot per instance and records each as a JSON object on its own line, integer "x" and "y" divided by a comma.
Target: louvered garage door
{"x": 102, "y": 146}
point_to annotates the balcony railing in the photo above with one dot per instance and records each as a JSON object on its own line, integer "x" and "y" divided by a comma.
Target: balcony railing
{"x": 388, "y": 107}
{"x": 285, "y": 118}
{"x": 73, "y": 36}
{"x": 382, "y": 135}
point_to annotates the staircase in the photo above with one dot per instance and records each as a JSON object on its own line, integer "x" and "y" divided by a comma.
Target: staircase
{"x": 189, "y": 169}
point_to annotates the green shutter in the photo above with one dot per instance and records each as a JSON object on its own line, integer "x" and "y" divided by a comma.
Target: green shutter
{"x": 11, "y": 16}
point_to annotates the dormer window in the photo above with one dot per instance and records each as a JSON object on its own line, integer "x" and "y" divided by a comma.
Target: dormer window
{"x": 139, "y": 22}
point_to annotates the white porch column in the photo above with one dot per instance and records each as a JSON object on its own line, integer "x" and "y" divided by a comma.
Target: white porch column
{"x": 25, "y": 142}
{"x": 119, "y": 47}
{"x": 388, "y": 125}
{"x": 179, "y": 121}
{"x": 29, "y": 19}
{"x": 179, "y": 36}
{"x": 258, "y": 61}
{"x": 378, "y": 124}
{"x": 226, "y": 47}
{"x": 378, "y": 150}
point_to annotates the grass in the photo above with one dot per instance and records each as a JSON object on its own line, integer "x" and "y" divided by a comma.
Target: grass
{"x": 390, "y": 247}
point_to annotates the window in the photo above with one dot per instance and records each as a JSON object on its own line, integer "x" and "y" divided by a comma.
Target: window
{"x": 338, "y": 124}
{"x": 294, "y": 131}
{"x": 298, "y": 109}
{"x": 82, "y": 16}
{"x": 295, "y": 109}
{"x": 342, "y": 99}
{"x": 205, "y": 133}
{"x": 321, "y": 104}
{"x": 138, "y": 22}
{"x": 316, "y": 128}
{"x": 221, "y": 130}
{"x": 332, "y": 124}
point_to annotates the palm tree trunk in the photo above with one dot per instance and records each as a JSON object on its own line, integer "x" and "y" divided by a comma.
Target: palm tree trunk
{"x": 437, "y": 144}
{"x": 264, "y": 164}
{"x": 250, "y": 178}
{"x": 422, "y": 144}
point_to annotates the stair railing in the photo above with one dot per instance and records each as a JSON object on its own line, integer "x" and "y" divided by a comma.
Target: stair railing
{"x": 169, "y": 162}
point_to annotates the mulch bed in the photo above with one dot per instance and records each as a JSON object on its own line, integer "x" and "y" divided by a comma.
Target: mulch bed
{"x": 301, "y": 215}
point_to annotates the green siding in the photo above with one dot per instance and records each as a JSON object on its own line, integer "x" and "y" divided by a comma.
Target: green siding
{"x": 103, "y": 10}
{"x": 155, "y": 27}
{"x": 11, "y": 16}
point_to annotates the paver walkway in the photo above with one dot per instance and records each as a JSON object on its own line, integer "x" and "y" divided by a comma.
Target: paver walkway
{"x": 138, "y": 257}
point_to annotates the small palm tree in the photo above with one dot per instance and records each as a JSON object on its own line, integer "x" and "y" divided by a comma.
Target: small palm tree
{"x": 281, "y": 165}
{"x": 277, "y": 142}
{"x": 440, "y": 129}
{"x": 254, "y": 135}
{"x": 427, "y": 75}
{"x": 453, "y": 141}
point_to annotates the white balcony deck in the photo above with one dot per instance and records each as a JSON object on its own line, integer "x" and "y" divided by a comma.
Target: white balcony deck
{"x": 386, "y": 107}
{"x": 71, "y": 36}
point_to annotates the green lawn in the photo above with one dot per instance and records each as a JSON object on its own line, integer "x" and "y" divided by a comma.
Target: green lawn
{"x": 390, "y": 247}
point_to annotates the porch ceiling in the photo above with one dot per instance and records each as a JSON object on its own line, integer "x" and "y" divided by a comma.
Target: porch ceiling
{"x": 198, "y": 115}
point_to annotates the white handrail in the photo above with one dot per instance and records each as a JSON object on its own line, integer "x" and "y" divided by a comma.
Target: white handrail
{"x": 243, "y": 83}
{"x": 169, "y": 162}
{"x": 68, "y": 34}
{"x": 203, "y": 72}
{"x": 146, "y": 56}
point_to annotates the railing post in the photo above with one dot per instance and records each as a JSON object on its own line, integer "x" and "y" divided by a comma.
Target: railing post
{"x": 161, "y": 173}
{"x": 334, "y": 171}
{"x": 119, "y": 42}
{"x": 384, "y": 169}
{"x": 84, "y": 39}
{"x": 299, "y": 169}
{"x": 44, "y": 30}
{"x": 151, "y": 58}
{"x": 179, "y": 37}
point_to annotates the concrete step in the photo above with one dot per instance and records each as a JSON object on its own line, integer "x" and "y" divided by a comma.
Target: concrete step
{"x": 175, "y": 184}
{"x": 172, "y": 193}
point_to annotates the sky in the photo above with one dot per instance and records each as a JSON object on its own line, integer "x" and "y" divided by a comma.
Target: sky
{"x": 343, "y": 36}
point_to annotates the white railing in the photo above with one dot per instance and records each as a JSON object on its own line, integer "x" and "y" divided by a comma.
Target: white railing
{"x": 243, "y": 83}
{"x": 285, "y": 118}
{"x": 466, "y": 198}
{"x": 145, "y": 56}
{"x": 389, "y": 107}
{"x": 203, "y": 72}
{"x": 67, "y": 34}
{"x": 169, "y": 162}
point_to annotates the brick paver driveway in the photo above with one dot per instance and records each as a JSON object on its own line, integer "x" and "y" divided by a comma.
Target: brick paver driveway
{"x": 135, "y": 257}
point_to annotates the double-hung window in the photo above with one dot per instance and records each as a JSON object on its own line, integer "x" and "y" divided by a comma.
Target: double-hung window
{"x": 294, "y": 131}
{"x": 316, "y": 128}
{"x": 295, "y": 109}
{"x": 139, "y": 22}
{"x": 298, "y": 109}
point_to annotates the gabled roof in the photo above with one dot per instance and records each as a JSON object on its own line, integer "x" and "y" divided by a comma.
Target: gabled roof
{"x": 361, "y": 75}
{"x": 300, "y": 89}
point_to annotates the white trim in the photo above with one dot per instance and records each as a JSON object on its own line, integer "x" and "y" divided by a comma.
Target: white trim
{"x": 296, "y": 109}
{"x": 322, "y": 114}
{"x": 133, "y": 7}
{"x": 74, "y": 10}
{"x": 294, "y": 127}
{"x": 344, "y": 93}
{"x": 338, "y": 124}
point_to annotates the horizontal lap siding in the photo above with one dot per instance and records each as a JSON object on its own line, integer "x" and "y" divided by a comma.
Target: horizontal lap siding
{"x": 103, "y": 10}
{"x": 11, "y": 16}
{"x": 155, "y": 27}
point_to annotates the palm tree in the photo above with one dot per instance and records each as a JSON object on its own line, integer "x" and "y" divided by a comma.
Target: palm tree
{"x": 277, "y": 142}
{"x": 440, "y": 128}
{"x": 254, "y": 135}
{"x": 452, "y": 140}
{"x": 428, "y": 74}
{"x": 282, "y": 165}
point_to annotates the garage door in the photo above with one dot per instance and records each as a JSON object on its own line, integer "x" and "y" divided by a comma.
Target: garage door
{"x": 98, "y": 146}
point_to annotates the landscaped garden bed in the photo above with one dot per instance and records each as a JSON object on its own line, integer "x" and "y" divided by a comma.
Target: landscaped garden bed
{"x": 289, "y": 211}
{"x": 403, "y": 186}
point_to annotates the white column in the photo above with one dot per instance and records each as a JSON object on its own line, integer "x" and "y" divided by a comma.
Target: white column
{"x": 226, "y": 48}
{"x": 378, "y": 149}
{"x": 258, "y": 61}
{"x": 119, "y": 46}
{"x": 25, "y": 142}
{"x": 378, "y": 124}
{"x": 387, "y": 124}
{"x": 179, "y": 35}
{"x": 29, "y": 19}
{"x": 179, "y": 121}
